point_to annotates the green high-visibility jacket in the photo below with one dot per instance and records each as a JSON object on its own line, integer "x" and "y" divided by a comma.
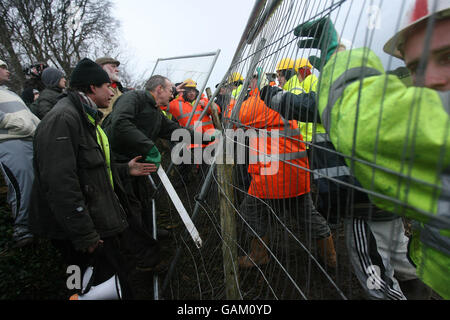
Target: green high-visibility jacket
{"x": 296, "y": 87}
{"x": 405, "y": 132}
{"x": 235, "y": 92}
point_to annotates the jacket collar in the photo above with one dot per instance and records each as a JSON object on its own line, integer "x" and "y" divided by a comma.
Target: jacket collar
{"x": 85, "y": 105}
{"x": 55, "y": 88}
{"x": 150, "y": 96}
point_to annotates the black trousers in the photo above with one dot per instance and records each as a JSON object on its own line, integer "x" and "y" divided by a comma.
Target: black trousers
{"x": 137, "y": 241}
{"x": 106, "y": 261}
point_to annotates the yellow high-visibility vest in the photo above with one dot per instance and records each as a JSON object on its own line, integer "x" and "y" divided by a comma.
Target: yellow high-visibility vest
{"x": 296, "y": 87}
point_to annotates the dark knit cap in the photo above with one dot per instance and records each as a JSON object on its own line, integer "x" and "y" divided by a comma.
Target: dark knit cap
{"x": 51, "y": 77}
{"x": 86, "y": 73}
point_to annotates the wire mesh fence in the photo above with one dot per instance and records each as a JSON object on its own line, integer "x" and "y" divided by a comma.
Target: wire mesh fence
{"x": 320, "y": 196}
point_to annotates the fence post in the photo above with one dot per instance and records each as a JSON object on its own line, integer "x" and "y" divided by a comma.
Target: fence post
{"x": 228, "y": 225}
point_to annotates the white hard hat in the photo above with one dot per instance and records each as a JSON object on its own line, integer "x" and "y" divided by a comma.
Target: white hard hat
{"x": 3, "y": 63}
{"x": 419, "y": 11}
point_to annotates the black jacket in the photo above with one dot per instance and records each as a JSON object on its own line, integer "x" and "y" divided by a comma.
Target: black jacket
{"x": 134, "y": 125}
{"x": 300, "y": 107}
{"x": 323, "y": 155}
{"x": 72, "y": 196}
{"x": 46, "y": 101}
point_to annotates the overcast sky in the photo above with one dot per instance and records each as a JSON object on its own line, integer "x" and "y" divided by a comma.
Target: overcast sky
{"x": 153, "y": 29}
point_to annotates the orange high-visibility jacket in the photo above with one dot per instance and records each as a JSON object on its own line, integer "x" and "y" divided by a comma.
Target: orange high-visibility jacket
{"x": 181, "y": 111}
{"x": 205, "y": 101}
{"x": 281, "y": 175}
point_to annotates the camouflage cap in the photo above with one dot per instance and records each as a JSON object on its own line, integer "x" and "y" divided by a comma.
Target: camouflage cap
{"x": 3, "y": 63}
{"x": 104, "y": 60}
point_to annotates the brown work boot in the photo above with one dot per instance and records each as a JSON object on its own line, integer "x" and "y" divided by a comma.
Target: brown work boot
{"x": 258, "y": 254}
{"x": 327, "y": 252}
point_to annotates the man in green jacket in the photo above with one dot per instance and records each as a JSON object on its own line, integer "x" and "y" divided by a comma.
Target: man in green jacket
{"x": 375, "y": 118}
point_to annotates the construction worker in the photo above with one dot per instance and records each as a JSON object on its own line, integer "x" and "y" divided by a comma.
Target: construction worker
{"x": 296, "y": 77}
{"x": 181, "y": 108}
{"x": 308, "y": 83}
{"x": 235, "y": 81}
{"x": 285, "y": 71}
{"x": 111, "y": 66}
{"x": 281, "y": 180}
{"x": 336, "y": 201}
{"x": 308, "y": 80}
{"x": 358, "y": 75}
{"x": 234, "y": 85}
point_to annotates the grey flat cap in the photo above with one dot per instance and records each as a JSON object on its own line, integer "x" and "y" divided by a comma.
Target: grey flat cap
{"x": 104, "y": 60}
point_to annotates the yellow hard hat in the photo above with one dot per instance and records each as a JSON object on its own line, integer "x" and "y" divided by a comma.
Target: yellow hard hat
{"x": 190, "y": 83}
{"x": 285, "y": 64}
{"x": 302, "y": 63}
{"x": 235, "y": 76}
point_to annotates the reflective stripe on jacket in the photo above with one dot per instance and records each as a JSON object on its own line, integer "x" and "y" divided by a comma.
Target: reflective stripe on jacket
{"x": 405, "y": 133}
{"x": 277, "y": 154}
{"x": 181, "y": 111}
{"x": 102, "y": 140}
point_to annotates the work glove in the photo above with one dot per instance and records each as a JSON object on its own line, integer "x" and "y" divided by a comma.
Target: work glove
{"x": 153, "y": 156}
{"x": 272, "y": 96}
{"x": 321, "y": 35}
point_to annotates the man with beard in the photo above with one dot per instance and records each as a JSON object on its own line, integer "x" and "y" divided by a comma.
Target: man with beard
{"x": 111, "y": 66}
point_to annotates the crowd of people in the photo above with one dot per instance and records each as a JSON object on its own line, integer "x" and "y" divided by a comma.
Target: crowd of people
{"x": 76, "y": 158}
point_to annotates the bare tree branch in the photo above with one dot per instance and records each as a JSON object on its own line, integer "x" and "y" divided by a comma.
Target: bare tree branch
{"x": 59, "y": 32}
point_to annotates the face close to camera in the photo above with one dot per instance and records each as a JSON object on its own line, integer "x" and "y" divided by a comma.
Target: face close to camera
{"x": 437, "y": 72}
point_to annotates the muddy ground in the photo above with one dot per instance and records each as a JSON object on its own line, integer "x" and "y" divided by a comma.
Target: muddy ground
{"x": 198, "y": 273}
{"x": 37, "y": 272}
